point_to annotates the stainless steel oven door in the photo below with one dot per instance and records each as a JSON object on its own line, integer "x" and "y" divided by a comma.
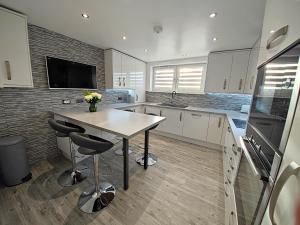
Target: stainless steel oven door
{"x": 252, "y": 190}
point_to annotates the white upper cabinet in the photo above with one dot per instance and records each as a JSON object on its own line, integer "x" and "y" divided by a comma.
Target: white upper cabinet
{"x": 240, "y": 61}
{"x": 113, "y": 69}
{"x": 252, "y": 69}
{"x": 140, "y": 77}
{"x": 125, "y": 72}
{"x": 128, "y": 72}
{"x": 278, "y": 14}
{"x": 218, "y": 72}
{"x": 227, "y": 71}
{"x": 15, "y": 65}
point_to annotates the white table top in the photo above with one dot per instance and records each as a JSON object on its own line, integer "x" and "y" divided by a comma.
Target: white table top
{"x": 121, "y": 123}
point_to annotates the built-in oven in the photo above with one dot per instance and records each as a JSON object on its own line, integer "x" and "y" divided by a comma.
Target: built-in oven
{"x": 272, "y": 110}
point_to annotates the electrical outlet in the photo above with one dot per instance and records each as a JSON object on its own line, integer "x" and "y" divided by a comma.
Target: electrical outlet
{"x": 66, "y": 101}
{"x": 79, "y": 100}
{"x": 120, "y": 98}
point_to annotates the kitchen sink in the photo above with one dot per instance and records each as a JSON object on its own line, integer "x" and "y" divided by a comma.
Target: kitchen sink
{"x": 239, "y": 123}
{"x": 174, "y": 105}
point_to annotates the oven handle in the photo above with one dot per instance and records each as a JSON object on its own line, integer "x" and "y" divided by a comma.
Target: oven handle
{"x": 249, "y": 159}
{"x": 292, "y": 169}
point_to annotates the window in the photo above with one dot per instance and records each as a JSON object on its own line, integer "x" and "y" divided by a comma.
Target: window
{"x": 163, "y": 78}
{"x": 180, "y": 78}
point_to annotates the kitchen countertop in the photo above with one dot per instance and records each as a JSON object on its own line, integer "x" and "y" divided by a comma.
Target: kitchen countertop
{"x": 237, "y": 132}
{"x": 121, "y": 123}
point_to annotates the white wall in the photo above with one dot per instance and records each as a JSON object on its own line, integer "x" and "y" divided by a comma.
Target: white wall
{"x": 150, "y": 65}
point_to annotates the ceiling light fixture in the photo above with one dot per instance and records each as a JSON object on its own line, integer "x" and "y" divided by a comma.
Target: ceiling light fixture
{"x": 85, "y": 15}
{"x": 124, "y": 37}
{"x": 146, "y": 50}
{"x": 214, "y": 39}
{"x": 213, "y": 15}
{"x": 272, "y": 31}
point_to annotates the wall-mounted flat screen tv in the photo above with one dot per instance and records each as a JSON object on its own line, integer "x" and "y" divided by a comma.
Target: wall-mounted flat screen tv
{"x": 67, "y": 74}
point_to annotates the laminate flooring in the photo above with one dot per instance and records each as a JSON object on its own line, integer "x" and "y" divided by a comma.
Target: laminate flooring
{"x": 184, "y": 187}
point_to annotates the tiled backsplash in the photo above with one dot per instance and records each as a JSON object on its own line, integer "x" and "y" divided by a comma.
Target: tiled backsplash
{"x": 211, "y": 100}
{"x": 25, "y": 111}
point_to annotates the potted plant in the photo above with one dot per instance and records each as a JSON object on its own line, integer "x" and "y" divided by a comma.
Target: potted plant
{"x": 92, "y": 98}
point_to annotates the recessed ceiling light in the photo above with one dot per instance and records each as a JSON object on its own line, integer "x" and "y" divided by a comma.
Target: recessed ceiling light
{"x": 214, "y": 39}
{"x": 146, "y": 50}
{"x": 213, "y": 15}
{"x": 85, "y": 15}
{"x": 124, "y": 37}
{"x": 272, "y": 31}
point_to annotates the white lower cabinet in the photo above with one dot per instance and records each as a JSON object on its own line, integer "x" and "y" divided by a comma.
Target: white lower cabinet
{"x": 231, "y": 160}
{"x": 215, "y": 128}
{"x": 200, "y": 126}
{"x": 195, "y": 125}
{"x": 154, "y": 110}
{"x": 140, "y": 109}
{"x": 174, "y": 122}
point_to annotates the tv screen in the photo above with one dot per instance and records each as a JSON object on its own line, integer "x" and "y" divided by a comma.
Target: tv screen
{"x": 67, "y": 74}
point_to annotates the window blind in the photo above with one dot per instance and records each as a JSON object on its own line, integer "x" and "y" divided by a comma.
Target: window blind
{"x": 189, "y": 78}
{"x": 181, "y": 78}
{"x": 163, "y": 78}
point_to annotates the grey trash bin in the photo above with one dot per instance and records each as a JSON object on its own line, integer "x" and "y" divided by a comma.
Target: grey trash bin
{"x": 13, "y": 161}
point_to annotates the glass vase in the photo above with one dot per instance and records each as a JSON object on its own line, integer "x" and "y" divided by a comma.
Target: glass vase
{"x": 93, "y": 107}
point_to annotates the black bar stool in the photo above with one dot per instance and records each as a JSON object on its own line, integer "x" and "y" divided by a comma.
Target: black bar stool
{"x": 150, "y": 158}
{"x": 74, "y": 175}
{"x": 95, "y": 198}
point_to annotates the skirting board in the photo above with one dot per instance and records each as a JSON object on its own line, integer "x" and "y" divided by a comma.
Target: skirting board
{"x": 190, "y": 140}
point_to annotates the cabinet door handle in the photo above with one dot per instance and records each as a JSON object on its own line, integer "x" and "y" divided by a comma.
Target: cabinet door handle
{"x": 231, "y": 218}
{"x": 292, "y": 169}
{"x": 225, "y": 189}
{"x": 220, "y": 122}
{"x": 225, "y": 84}
{"x": 198, "y": 115}
{"x": 229, "y": 130}
{"x": 160, "y": 113}
{"x": 276, "y": 35}
{"x": 136, "y": 97}
{"x": 124, "y": 81}
{"x": 251, "y": 82}
{"x": 240, "y": 84}
{"x": 180, "y": 117}
{"x": 120, "y": 82}
{"x": 145, "y": 110}
{"x": 8, "y": 71}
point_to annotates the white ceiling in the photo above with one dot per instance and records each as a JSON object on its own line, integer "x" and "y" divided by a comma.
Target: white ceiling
{"x": 187, "y": 28}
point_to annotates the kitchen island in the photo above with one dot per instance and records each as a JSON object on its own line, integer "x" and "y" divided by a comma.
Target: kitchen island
{"x": 121, "y": 123}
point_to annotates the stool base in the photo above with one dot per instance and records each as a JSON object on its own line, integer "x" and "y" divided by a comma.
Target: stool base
{"x": 69, "y": 178}
{"x": 91, "y": 201}
{"x": 152, "y": 159}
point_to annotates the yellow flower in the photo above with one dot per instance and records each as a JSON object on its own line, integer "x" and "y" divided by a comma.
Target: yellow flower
{"x": 95, "y": 94}
{"x": 88, "y": 97}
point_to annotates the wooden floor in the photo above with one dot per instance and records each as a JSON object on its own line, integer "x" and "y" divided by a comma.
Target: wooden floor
{"x": 184, "y": 187}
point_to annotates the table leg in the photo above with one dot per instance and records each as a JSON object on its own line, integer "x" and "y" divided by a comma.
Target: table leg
{"x": 126, "y": 162}
{"x": 146, "y": 149}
